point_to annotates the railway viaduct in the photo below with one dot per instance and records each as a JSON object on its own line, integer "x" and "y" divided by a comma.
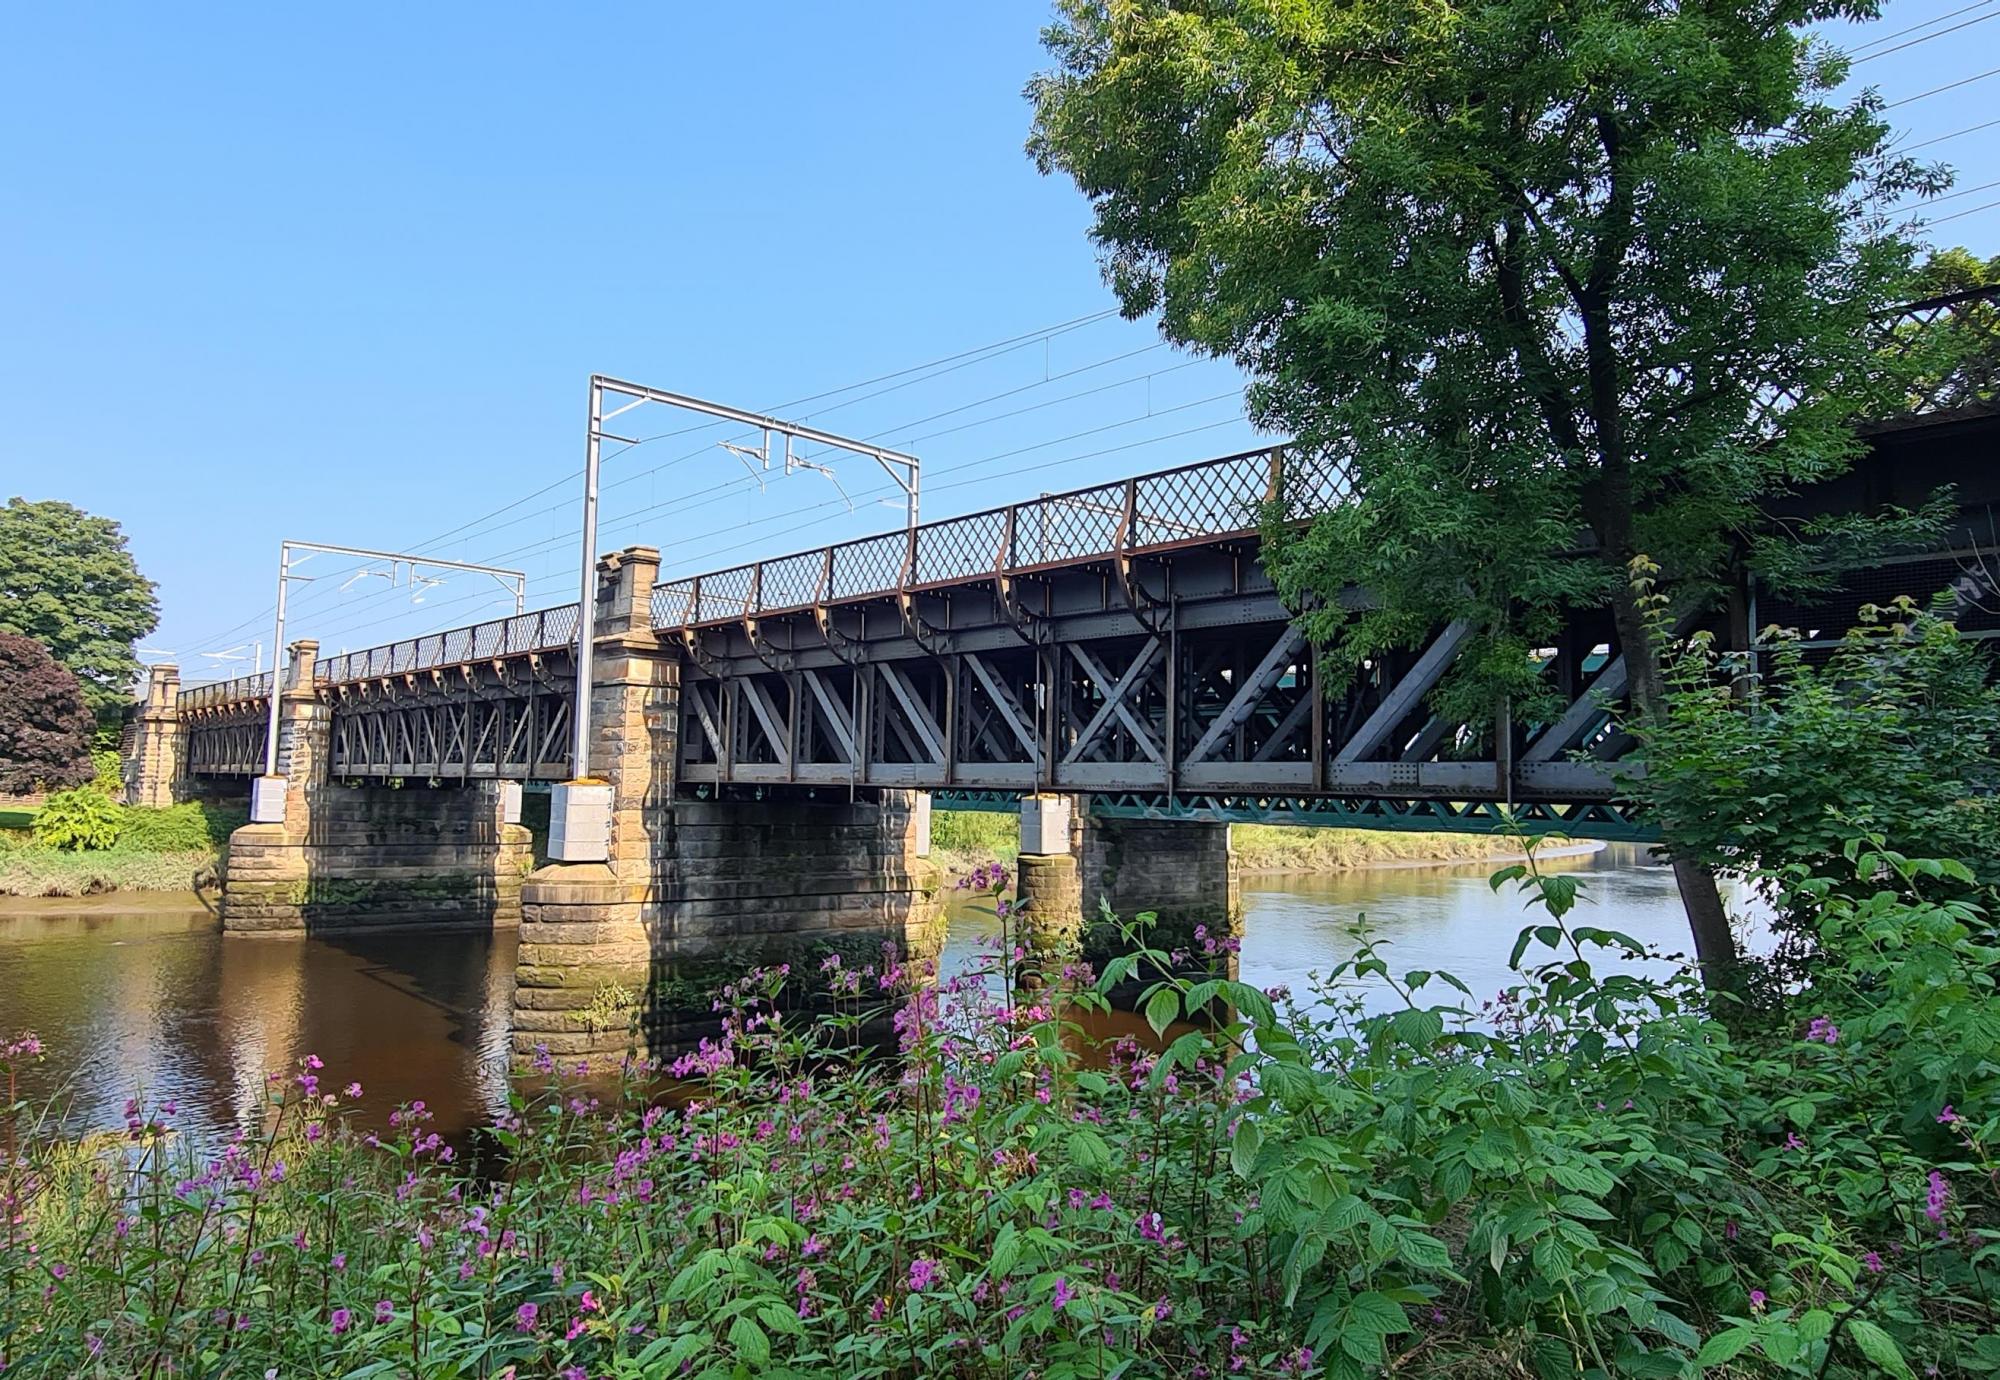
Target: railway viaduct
{"x": 774, "y": 735}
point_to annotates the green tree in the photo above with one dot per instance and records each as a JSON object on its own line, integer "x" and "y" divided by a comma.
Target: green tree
{"x": 1536, "y": 273}
{"x": 68, "y": 581}
{"x": 1956, "y": 269}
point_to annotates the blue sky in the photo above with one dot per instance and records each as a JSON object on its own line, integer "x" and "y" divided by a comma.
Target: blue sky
{"x": 341, "y": 274}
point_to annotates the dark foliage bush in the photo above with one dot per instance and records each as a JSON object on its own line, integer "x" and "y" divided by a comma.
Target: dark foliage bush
{"x": 45, "y": 724}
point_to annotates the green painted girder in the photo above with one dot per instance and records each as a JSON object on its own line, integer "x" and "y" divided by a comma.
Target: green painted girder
{"x": 1573, "y": 819}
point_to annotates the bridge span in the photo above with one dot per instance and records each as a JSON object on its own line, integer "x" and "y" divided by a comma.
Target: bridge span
{"x": 773, "y": 734}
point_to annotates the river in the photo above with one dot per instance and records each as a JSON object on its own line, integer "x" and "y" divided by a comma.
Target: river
{"x": 151, "y": 999}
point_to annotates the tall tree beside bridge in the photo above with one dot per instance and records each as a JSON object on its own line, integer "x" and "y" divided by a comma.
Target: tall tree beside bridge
{"x": 1539, "y": 271}
{"x": 68, "y": 581}
{"x": 45, "y": 726}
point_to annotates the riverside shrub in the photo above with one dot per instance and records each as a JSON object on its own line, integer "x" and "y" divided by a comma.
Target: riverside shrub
{"x": 1582, "y": 1175}
{"x": 85, "y": 819}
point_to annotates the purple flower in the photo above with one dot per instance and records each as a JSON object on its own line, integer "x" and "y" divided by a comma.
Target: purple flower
{"x": 1874, "y": 1263}
{"x": 1792, "y": 1141}
{"x": 384, "y": 1310}
{"x": 923, "y": 1274}
{"x": 1757, "y": 1300}
{"x": 340, "y": 1320}
{"x": 1948, "y": 1116}
{"x": 1938, "y": 1195}
{"x": 1823, "y": 1031}
{"x": 524, "y": 1317}
{"x": 1063, "y": 1293}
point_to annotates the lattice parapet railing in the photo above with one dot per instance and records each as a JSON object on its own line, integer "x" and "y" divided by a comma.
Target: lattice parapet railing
{"x": 1946, "y": 352}
{"x": 221, "y": 692}
{"x": 543, "y": 630}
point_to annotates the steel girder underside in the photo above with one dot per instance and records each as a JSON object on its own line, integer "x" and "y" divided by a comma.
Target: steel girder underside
{"x": 1168, "y": 686}
{"x": 225, "y": 740}
{"x": 497, "y": 720}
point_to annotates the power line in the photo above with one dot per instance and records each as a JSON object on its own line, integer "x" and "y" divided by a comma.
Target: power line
{"x": 1939, "y": 139}
{"x": 1960, "y": 215}
{"x": 1948, "y": 86}
{"x": 1958, "y": 192}
{"x": 891, "y": 431}
{"x": 708, "y": 553}
{"x": 1925, "y": 39}
{"x": 1924, "y": 24}
{"x": 710, "y": 426}
{"x": 681, "y": 504}
{"x": 897, "y": 429}
{"x": 718, "y": 492}
{"x": 1046, "y": 332}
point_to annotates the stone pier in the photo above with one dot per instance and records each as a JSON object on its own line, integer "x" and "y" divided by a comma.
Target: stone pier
{"x": 154, "y": 770}
{"x": 376, "y": 856}
{"x": 1074, "y": 864}
{"x": 615, "y": 954}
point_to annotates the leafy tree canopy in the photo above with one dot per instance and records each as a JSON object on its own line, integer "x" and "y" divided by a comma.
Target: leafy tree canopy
{"x": 68, "y": 581}
{"x": 1550, "y": 281}
{"x": 1956, "y": 269}
{"x": 45, "y": 725}
{"x": 1534, "y": 272}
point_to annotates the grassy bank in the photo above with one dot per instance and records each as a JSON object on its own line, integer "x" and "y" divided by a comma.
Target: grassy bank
{"x": 962, "y": 839}
{"x": 1290, "y": 848}
{"x": 175, "y": 849}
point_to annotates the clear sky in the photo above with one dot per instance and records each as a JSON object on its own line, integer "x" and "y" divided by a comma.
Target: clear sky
{"x": 340, "y": 273}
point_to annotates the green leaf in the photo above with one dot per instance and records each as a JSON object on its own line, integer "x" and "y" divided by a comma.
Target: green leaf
{"x": 1724, "y": 1345}
{"x": 1244, "y": 1146}
{"x": 1878, "y": 1346}
{"x": 1087, "y": 1149}
{"x": 1006, "y": 1249}
{"x": 779, "y": 1318}
{"x": 1161, "y": 1009}
{"x": 1378, "y": 1313}
{"x": 1417, "y": 1028}
{"x": 750, "y": 1342}
{"x": 1424, "y": 1252}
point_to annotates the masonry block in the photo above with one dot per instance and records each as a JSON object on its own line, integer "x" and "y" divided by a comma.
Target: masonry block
{"x": 1182, "y": 871}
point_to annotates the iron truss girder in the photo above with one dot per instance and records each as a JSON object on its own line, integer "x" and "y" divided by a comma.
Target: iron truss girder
{"x": 225, "y": 742}
{"x": 478, "y": 730}
{"x": 1239, "y": 708}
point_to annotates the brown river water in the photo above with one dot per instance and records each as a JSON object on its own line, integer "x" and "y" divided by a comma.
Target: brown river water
{"x": 143, "y": 994}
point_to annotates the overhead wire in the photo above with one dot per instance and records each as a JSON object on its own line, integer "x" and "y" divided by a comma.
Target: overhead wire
{"x": 1948, "y": 86}
{"x": 719, "y": 492}
{"x": 873, "y": 436}
{"x": 1960, "y": 215}
{"x": 1856, "y": 62}
{"x": 1028, "y": 337}
{"x": 1955, "y": 134}
{"x": 1925, "y": 24}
